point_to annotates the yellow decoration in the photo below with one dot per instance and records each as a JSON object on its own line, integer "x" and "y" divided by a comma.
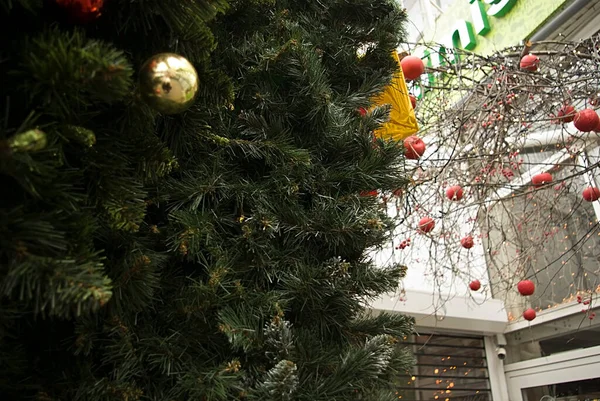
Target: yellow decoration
{"x": 402, "y": 122}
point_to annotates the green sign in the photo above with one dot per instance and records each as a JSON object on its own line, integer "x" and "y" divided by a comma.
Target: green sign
{"x": 485, "y": 26}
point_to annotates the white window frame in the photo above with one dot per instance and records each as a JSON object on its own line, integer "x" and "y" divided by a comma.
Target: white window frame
{"x": 564, "y": 367}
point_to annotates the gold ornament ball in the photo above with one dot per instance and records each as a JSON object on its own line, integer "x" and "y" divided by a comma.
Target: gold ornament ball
{"x": 168, "y": 83}
{"x": 33, "y": 140}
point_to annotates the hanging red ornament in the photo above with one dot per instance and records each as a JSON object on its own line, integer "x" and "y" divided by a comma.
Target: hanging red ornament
{"x": 412, "y": 67}
{"x": 413, "y": 101}
{"x": 566, "y": 114}
{"x": 540, "y": 179}
{"x": 414, "y": 147}
{"x": 475, "y": 285}
{"x": 454, "y": 193}
{"x": 586, "y": 120}
{"x": 467, "y": 242}
{"x": 529, "y": 62}
{"x": 426, "y": 225}
{"x": 362, "y": 111}
{"x": 82, "y": 11}
{"x": 591, "y": 194}
{"x": 529, "y": 314}
{"x": 526, "y": 287}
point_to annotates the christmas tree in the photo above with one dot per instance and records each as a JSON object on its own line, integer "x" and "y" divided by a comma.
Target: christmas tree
{"x": 213, "y": 246}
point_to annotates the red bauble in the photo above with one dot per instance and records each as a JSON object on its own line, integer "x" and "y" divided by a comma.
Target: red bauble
{"x": 591, "y": 194}
{"x": 475, "y": 285}
{"x": 82, "y": 11}
{"x": 540, "y": 179}
{"x": 362, "y": 111}
{"x": 426, "y": 225}
{"x": 586, "y": 120}
{"x": 526, "y": 287}
{"x": 454, "y": 193}
{"x": 467, "y": 242}
{"x": 529, "y": 314}
{"x": 412, "y": 67}
{"x": 413, "y": 101}
{"x": 414, "y": 147}
{"x": 529, "y": 62}
{"x": 566, "y": 114}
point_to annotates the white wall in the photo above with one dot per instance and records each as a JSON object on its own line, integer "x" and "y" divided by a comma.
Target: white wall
{"x": 447, "y": 312}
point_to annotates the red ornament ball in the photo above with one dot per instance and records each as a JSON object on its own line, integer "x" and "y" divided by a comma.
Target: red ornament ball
{"x": 529, "y": 62}
{"x": 362, "y": 111}
{"x": 591, "y": 194}
{"x": 467, "y": 242}
{"x": 412, "y": 67}
{"x": 586, "y": 120}
{"x": 566, "y": 114}
{"x": 475, "y": 285}
{"x": 82, "y": 11}
{"x": 526, "y": 287}
{"x": 454, "y": 193}
{"x": 540, "y": 179}
{"x": 414, "y": 147}
{"x": 413, "y": 101}
{"x": 529, "y": 314}
{"x": 426, "y": 225}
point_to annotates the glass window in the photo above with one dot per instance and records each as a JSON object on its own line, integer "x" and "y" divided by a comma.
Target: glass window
{"x": 549, "y": 235}
{"x": 583, "y": 390}
{"x": 578, "y": 340}
{"x": 566, "y": 334}
{"x": 449, "y": 367}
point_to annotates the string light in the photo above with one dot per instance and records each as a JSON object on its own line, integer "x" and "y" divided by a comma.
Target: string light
{"x": 547, "y": 234}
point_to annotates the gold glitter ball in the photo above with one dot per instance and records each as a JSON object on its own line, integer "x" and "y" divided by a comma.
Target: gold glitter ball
{"x": 168, "y": 83}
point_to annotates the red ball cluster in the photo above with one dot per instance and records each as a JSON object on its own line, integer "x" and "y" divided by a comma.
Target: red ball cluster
{"x": 529, "y": 314}
{"x": 475, "y": 285}
{"x": 566, "y": 114}
{"x": 586, "y": 120}
{"x": 413, "y": 101}
{"x": 467, "y": 242}
{"x": 454, "y": 193}
{"x": 426, "y": 225}
{"x": 81, "y": 11}
{"x": 526, "y": 287}
{"x": 591, "y": 194}
{"x": 412, "y": 67}
{"x": 414, "y": 147}
{"x": 405, "y": 243}
{"x": 540, "y": 179}
{"x": 529, "y": 62}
